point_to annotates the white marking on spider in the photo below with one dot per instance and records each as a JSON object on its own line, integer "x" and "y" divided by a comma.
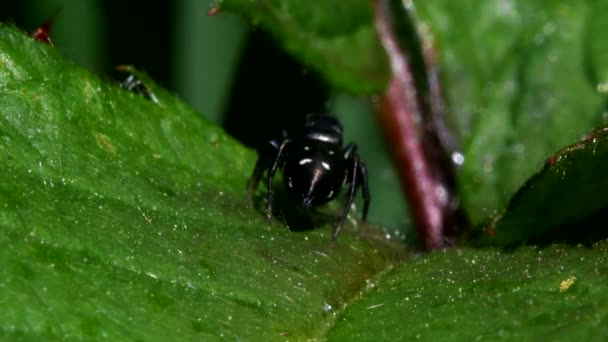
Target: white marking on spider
{"x": 325, "y": 166}
{"x": 323, "y": 137}
{"x": 305, "y": 161}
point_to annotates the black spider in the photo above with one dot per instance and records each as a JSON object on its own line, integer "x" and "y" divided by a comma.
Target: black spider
{"x": 315, "y": 167}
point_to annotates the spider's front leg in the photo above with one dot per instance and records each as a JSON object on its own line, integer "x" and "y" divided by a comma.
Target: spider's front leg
{"x": 279, "y": 158}
{"x": 266, "y": 158}
{"x": 362, "y": 179}
{"x": 357, "y": 176}
{"x": 260, "y": 166}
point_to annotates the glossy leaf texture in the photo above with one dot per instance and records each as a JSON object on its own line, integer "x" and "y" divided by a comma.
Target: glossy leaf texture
{"x": 335, "y": 37}
{"x": 559, "y": 293}
{"x": 520, "y": 82}
{"x": 565, "y": 201}
{"x": 126, "y": 218}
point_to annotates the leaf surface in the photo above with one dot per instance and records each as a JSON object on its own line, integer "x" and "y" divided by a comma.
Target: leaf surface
{"x": 126, "y": 218}
{"x": 337, "y": 38}
{"x": 564, "y": 201}
{"x": 558, "y": 293}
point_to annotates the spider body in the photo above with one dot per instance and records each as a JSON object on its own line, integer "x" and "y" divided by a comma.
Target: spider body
{"x": 315, "y": 165}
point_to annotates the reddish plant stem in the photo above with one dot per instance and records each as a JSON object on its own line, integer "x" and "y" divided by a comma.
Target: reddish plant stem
{"x": 401, "y": 130}
{"x": 417, "y": 134}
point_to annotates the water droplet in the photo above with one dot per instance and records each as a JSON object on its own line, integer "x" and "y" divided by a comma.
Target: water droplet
{"x": 458, "y": 158}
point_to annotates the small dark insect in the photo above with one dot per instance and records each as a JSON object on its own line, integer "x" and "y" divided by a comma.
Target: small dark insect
{"x": 133, "y": 84}
{"x": 315, "y": 167}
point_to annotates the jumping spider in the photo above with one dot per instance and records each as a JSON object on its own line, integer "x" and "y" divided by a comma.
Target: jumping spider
{"x": 315, "y": 167}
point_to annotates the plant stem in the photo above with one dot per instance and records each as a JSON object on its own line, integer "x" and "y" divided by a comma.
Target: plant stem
{"x": 412, "y": 116}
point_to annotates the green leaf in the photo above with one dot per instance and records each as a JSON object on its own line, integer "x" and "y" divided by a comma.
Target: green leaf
{"x": 558, "y": 293}
{"x": 553, "y": 204}
{"x": 517, "y": 77}
{"x": 124, "y": 218}
{"x": 335, "y": 37}
{"x": 596, "y": 45}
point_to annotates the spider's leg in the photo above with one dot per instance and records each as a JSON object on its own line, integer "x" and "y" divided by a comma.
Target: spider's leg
{"x": 350, "y": 155}
{"x": 252, "y": 185}
{"x": 266, "y": 157}
{"x": 362, "y": 180}
{"x": 350, "y": 151}
{"x": 278, "y": 159}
